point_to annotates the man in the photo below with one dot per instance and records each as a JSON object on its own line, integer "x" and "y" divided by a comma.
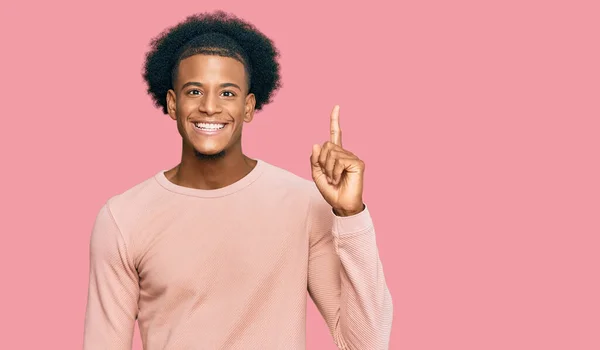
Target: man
{"x": 220, "y": 251}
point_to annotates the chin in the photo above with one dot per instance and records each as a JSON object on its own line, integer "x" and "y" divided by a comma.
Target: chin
{"x": 206, "y": 155}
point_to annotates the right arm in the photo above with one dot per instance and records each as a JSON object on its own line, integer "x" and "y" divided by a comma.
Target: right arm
{"x": 112, "y": 304}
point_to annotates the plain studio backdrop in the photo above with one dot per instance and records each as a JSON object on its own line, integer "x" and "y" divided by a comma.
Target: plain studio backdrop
{"x": 478, "y": 122}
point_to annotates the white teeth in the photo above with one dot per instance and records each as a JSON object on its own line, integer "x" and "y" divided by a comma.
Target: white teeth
{"x": 209, "y": 126}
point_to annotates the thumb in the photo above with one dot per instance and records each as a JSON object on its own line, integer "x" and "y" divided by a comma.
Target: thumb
{"x": 314, "y": 157}
{"x": 316, "y": 171}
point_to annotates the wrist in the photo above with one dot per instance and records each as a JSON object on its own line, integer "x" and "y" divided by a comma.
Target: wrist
{"x": 348, "y": 212}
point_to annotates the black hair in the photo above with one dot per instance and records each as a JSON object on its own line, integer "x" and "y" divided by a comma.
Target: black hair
{"x": 216, "y": 33}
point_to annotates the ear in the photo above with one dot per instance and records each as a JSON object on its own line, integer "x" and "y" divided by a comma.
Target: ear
{"x": 249, "y": 109}
{"x": 171, "y": 104}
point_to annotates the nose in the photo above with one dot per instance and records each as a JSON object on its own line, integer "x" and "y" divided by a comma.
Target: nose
{"x": 209, "y": 104}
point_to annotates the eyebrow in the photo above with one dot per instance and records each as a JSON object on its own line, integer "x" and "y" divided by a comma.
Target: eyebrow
{"x": 195, "y": 83}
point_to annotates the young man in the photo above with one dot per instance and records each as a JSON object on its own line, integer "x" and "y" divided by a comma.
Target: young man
{"x": 220, "y": 251}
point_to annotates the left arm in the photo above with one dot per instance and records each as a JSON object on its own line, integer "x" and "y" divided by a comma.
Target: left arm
{"x": 345, "y": 278}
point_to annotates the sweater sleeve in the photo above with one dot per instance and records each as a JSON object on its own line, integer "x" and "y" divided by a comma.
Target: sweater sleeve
{"x": 112, "y": 303}
{"x": 345, "y": 278}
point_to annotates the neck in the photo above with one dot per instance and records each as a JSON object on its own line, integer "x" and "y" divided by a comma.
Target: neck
{"x": 210, "y": 174}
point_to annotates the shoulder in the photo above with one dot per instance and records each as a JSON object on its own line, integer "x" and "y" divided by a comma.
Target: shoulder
{"x": 302, "y": 188}
{"x": 128, "y": 207}
{"x": 278, "y": 178}
{"x": 138, "y": 195}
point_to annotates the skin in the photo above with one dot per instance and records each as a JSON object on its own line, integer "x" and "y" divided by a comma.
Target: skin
{"x": 337, "y": 172}
{"x": 215, "y": 88}
{"x": 211, "y": 88}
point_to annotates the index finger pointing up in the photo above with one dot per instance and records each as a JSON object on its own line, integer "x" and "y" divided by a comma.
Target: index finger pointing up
{"x": 336, "y": 132}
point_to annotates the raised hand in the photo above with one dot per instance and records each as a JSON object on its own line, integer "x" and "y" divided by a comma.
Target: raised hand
{"x": 337, "y": 172}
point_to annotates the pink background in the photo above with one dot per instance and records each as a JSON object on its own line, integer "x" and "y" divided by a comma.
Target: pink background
{"x": 478, "y": 123}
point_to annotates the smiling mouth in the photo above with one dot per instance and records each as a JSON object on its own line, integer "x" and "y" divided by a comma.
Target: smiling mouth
{"x": 209, "y": 129}
{"x": 209, "y": 126}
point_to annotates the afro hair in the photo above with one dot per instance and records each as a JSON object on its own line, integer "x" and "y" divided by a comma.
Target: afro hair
{"x": 216, "y": 33}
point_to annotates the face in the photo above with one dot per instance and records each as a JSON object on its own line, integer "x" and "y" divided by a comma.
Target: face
{"x": 210, "y": 103}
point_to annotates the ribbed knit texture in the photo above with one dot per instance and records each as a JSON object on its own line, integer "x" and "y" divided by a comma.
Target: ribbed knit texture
{"x": 230, "y": 268}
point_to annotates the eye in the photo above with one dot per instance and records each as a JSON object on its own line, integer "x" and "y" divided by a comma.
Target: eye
{"x": 194, "y": 92}
{"x": 228, "y": 94}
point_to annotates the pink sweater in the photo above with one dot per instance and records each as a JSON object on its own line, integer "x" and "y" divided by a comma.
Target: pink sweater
{"x": 230, "y": 268}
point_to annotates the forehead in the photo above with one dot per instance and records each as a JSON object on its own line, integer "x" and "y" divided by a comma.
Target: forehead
{"x": 211, "y": 68}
